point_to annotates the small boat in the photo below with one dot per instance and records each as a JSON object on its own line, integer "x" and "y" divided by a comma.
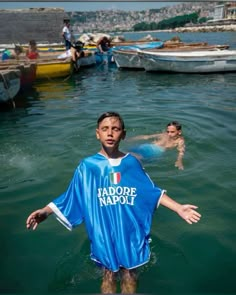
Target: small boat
{"x": 206, "y": 61}
{"x": 130, "y": 58}
{"x": 53, "y": 69}
{"x": 9, "y": 85}
{"x": 108, "y": 57}
{"x": 27, "y": 72}
{"x": 86, "y": 61}
{"x": 140, "y": 46}
{"x": 127, "y": 59}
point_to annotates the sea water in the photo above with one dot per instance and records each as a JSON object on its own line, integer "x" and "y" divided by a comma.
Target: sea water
{"x": 53, "y": 128}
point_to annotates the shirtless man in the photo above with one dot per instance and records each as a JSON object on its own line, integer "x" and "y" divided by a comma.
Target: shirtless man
{"x": 170, "y": 139}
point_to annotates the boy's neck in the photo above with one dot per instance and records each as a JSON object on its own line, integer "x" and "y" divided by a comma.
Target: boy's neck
{"x": 115, "y": 154}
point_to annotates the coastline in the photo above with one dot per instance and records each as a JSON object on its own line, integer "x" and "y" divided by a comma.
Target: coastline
{"x": 204, "y": 29}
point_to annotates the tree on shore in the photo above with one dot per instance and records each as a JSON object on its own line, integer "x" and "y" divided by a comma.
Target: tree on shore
{"x": 170, "y": 23}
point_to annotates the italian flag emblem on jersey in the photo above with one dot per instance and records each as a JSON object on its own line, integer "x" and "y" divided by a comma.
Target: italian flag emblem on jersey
{"x": 115, "y": 177}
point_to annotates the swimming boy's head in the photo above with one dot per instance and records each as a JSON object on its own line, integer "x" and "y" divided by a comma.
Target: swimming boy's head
{"x": 111, "y": 114}
{"x": 174, "y": 129}
{"x": 176, "y": 124}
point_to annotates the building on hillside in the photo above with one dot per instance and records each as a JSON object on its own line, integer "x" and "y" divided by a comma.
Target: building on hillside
{"x": 219, "y": 12}
{"x": 225, "y": 11}
{"x": 231, "y": 11}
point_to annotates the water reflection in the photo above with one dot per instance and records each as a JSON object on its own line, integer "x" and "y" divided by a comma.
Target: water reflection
{"x": 53, "y": 89}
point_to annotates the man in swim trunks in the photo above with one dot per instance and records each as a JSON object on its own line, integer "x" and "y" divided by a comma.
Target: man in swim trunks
{"x": 114, "y": 196}
{"x": 170, "y": 139}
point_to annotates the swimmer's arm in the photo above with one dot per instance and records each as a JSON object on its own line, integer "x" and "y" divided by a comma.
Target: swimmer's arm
{"x": 186, "y": 212}
{"x": 181, "y": 151}
{"x": 156, "y": 135}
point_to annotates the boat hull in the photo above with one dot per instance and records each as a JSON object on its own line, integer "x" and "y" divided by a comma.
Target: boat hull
{"x": 191, "y": 62}
{"x": 87, "y": 61}
{"x": 54, "y": 69}
{"x": 9, "y": 84}
{"x": 127, "y": 59}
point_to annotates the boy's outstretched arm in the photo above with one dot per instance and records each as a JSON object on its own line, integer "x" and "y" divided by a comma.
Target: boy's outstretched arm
{"x": 37, "y": 217}
{"x": 187, "y": 212}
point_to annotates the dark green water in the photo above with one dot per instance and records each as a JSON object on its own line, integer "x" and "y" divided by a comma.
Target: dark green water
{"x": 53, "y": 128}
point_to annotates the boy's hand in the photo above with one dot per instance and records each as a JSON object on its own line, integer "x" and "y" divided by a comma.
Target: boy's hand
{"x": 188, "y": 213}
{"x": 35, "y": 218}
{"x": 179, "y": 165}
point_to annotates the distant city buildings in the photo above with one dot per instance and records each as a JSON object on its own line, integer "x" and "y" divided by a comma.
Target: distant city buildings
{"x": 225, "y": 11}
{"x": 119, "y": 20}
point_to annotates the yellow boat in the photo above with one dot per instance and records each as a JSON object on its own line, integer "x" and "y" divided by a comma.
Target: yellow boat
{"x": 53, "y": 69}
{"x": 48, "y": 49}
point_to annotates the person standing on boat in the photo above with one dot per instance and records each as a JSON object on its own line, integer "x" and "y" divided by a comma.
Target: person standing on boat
{"x": 67, "y": 34}
{"x": 116, "y": 199}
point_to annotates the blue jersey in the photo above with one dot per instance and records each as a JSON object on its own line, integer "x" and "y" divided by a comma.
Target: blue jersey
{"x": 116, "y": 199}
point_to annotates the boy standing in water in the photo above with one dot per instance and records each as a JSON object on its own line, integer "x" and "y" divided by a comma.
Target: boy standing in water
{"x": 116, "y": 199}
{"x": 170, "y": 139}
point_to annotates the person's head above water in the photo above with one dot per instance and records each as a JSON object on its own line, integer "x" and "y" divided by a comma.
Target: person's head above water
{"x": 111, "y": 114}
{"x": 176, "y": 124}
{"x": 174, "y": 129}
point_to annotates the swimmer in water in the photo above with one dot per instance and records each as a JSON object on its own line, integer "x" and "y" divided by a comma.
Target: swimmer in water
{"x": 171, "y": 138}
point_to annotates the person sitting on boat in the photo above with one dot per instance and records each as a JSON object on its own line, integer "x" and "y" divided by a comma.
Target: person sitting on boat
{"x": 32, "y": 50}
{"x": 76, "y": 53}
{"x": 12, "y": 53}
{"x": 171, "y": 138}
{"x": 103, "y": 44}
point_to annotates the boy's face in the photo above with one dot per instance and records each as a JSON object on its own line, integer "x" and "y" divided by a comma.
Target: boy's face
{"x": 110, "y": 132}
{"x": 173, "y": 132}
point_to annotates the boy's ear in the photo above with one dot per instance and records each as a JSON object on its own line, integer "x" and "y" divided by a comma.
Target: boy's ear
{"x": 97, "y": 134}
{"x": 124, "y": 134}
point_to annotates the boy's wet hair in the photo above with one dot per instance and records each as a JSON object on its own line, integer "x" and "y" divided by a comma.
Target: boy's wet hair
{"x": 111, "y": 114}
{"x": 176, "y": 124}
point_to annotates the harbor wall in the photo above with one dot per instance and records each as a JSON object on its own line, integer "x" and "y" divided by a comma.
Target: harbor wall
{"x": 40, "y": 24}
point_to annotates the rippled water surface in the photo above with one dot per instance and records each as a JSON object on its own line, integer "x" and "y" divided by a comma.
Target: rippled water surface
{"x": 53, "y": 128}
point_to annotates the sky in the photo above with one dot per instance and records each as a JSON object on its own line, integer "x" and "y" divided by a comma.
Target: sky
{"x": 88, "y": 5}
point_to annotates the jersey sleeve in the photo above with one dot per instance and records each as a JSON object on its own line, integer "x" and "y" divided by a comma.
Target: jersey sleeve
{"x": 68, "y": 207}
